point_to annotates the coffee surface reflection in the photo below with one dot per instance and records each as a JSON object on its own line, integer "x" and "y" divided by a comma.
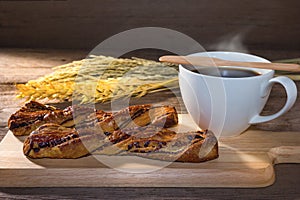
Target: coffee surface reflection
{"x": 226, "y": 72}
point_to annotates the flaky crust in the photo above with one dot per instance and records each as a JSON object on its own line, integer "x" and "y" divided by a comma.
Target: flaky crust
{"x": 138, "y": 116}
{"x": 195, "y": 146}
{"x": 139, "y": 130}
{"x": 202, "y": 150}
{"x": 33, "y": 114}
{"x": 54, "y": 141}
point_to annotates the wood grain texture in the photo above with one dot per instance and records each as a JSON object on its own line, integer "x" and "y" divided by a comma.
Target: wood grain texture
{"x": 269, "y": 24}
{"x": 245, "y": 161}
{"x": 277, "y": 191}
{"x": 21, "y": 65}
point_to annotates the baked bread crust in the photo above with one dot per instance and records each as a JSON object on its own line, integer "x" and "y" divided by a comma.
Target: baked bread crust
{"x": 138, "y": 116}
{"x": 163, "y": 144}
{"x": 54, "y": 141}
{"x": 139, "y": 130}
{"x": 34, "y": 114}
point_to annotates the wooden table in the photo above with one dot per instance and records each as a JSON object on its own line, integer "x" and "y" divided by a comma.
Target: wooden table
{"x": 21, "y": 65}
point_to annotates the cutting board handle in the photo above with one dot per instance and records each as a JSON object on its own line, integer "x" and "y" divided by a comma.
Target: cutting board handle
{"x": 285, "y": 154}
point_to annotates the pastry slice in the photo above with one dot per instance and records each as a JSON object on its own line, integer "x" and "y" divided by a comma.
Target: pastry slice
{"x": 138, "y": 116}
{"x": 54, "y": 141}
{"x": 194, "y": 147}
{"x": 162, "y": 144}
{"x": 34, "y": 114}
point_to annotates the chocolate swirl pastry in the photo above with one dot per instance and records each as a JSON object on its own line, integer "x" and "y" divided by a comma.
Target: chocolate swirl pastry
{"x": 54, "y": 141}
{"x": 139, "y": 130}
{"x": 162, "y": 144}
{"x": 34, "y": 114}
{"x": 138, "y": 116}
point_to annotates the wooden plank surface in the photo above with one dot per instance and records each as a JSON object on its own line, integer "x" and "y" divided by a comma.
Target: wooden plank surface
{"x": 19, "y": 65}
{"x": 245, "y": 161}
{"x": 285, "y": 187}
{"x": 268, "y": 24}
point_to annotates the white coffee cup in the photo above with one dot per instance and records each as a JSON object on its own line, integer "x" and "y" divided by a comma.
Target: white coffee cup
{"x": 228, "y": 106}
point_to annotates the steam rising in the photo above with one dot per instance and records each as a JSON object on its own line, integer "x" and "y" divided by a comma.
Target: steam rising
{"x": 231, "y": 43}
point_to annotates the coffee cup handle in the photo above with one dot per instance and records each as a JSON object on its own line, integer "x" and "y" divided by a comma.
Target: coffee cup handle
{"x": 291, "y": 92}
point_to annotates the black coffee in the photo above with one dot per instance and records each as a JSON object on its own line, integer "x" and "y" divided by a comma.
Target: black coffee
{"x": 226, "y": 72}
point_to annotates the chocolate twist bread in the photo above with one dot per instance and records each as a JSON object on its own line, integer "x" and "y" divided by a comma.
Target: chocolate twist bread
{"x": 136, "y": 130}
{"x": 34, "y": 114}
{"x": 54, "y": 141}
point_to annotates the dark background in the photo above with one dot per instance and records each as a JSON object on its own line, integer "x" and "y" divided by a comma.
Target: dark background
{"x": 253, "y": 25}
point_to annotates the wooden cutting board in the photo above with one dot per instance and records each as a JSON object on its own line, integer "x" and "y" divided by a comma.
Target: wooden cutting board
{"x": 244, "y": 161}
